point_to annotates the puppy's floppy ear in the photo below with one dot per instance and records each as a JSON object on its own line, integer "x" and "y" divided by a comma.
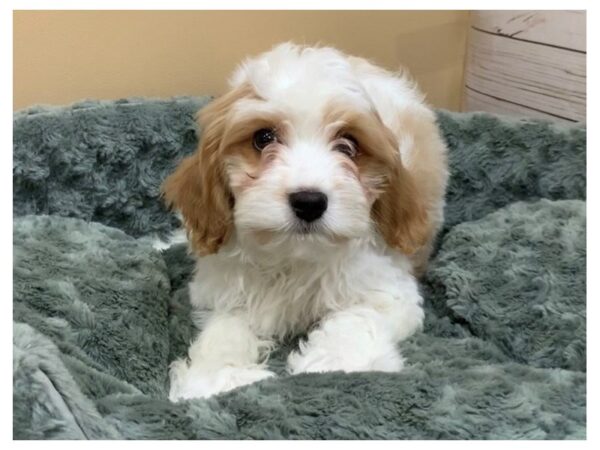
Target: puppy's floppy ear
{"x": 199, "y": 187}
{"x": 199, "y": 192}
{"x": 399, "y": 212}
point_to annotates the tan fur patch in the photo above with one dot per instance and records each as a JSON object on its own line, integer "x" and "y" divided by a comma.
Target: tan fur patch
{"x": 398, "y": 209}
{"x": 199, "y": 186}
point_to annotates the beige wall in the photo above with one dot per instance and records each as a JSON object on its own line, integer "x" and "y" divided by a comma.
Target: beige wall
{"x": 64, "y": 56}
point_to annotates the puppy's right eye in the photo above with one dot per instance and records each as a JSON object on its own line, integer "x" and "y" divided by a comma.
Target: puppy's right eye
{"x": 263, "y": 137}
{"x": 347, "y": 145}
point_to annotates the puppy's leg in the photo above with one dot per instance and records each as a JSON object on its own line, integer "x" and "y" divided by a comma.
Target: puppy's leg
{"x": 360, "y": 338}
{"x": 224, "y": 356}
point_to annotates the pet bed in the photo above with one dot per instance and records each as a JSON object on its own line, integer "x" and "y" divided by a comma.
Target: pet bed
{"x": 99, "y": 313}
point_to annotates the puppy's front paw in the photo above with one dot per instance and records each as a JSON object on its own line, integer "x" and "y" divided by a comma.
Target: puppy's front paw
{"x": 317, "y": 359}
{"x": 196, "y": 381}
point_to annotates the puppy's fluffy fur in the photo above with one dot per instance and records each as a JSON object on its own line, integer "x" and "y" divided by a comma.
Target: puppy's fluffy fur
{"x": 340, "y": 126}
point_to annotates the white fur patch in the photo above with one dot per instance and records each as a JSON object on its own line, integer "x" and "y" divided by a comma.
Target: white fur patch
{"x": 191, "y": 381}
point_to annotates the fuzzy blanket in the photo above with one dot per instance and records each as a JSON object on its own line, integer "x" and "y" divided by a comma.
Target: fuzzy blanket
{"x": 99, "y": 314}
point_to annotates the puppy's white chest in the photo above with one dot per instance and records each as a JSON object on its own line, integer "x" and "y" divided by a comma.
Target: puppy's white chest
{"x": 288, "y": 302}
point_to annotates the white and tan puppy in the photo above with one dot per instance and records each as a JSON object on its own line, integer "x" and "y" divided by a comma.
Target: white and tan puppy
{"x": 312, "y": 203}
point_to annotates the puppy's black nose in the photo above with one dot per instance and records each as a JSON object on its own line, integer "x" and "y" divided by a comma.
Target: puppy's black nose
{"x": 308, "y": 205}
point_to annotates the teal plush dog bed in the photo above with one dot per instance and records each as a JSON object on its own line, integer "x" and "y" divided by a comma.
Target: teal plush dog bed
{"x": 99, "y": 313}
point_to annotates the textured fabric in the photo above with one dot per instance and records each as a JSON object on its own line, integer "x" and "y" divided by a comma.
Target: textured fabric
{"x": 494, "y": 161}
{"x": 99, "y": 314}
{"x": 517, "y": 278}
{"x": 91, "y": 307}
{"x": 102, "y": 161}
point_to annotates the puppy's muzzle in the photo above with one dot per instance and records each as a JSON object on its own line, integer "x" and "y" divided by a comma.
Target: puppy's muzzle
{"x": 308, "y": 205}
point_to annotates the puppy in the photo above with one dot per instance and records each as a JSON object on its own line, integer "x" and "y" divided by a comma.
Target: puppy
{"x": 312, "y": 203}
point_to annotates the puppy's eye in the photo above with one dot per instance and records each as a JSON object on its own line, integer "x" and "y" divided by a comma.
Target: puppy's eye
{"x": 347, "y": 145}
{"x": 263, "y": 137}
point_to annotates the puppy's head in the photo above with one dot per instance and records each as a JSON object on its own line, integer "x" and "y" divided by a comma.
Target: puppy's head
{"x": 295, "y": 158}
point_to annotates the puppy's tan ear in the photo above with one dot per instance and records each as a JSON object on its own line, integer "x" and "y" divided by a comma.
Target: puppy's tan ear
{"x": 199, "y": 188}
{"x": 399, "y": 212}
{"x": 198, "y": 191}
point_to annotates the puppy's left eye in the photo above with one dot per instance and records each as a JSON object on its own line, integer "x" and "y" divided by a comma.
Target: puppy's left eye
{"x": 347, "y": 145}
{"x": 263, "y": 137}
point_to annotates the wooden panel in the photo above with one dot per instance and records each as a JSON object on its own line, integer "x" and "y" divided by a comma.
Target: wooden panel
{"x": 542, "y": 78}
{"x": 522, "y": 77}
{"x": 559, "y": 28}
{"x": 475, "y": 101}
